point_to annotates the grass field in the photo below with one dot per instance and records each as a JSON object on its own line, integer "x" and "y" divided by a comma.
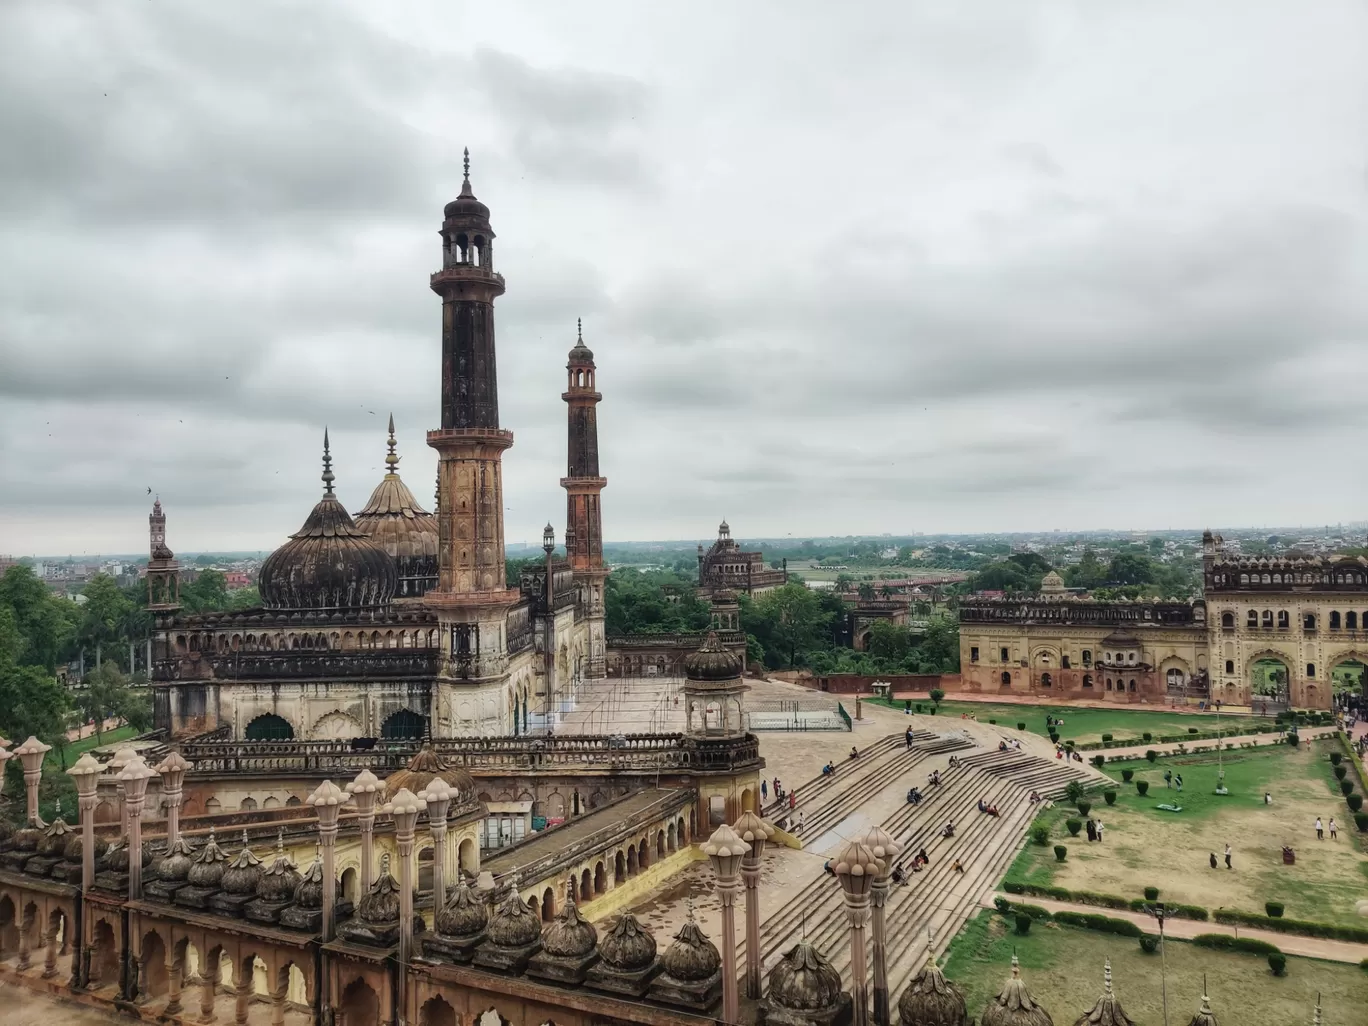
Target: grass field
{"x": 1062, "y": 968}
{"x": 1145, "y": 846}
{"x": 1085, "y": 725}
{"x": 75, "y": 749}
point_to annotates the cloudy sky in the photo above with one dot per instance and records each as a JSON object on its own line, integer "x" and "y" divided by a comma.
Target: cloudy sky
{"x": 846, "y": 268}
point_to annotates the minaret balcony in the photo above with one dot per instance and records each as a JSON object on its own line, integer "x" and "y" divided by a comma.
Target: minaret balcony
{"x": 584, "y": 485}
{"x": 460, "y": 274}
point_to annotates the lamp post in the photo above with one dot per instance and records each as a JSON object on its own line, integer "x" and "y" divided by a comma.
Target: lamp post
{"x": 755, "y": 832}
{"x": 1158, "y": 911}
{"x": 327, "y": 800}
{"x": 365, "y": 791}
{"x": 886, "y": 849}
{"x": 438, "y": 795}
{"x": 725, "y": 851}
{"x": 86, "y": 773}
{"x": 549, "y": 547}
{"x": 31, "y": 754}
{"x": 856, "y": 867}
{"x": 172, "y": 770}
{"x": 404, "y": 808}
{"x": 134, "y": 778}
{"x": 115, "y": 767}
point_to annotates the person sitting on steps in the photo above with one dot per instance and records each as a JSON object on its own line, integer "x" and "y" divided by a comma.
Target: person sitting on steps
{"x": 854, "y": 752}
{"x": 949, "y": 830}
{"x": 957, "y": 866}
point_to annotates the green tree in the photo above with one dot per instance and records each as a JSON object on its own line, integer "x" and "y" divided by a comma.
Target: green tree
{"x": 793, "y": 617}
{"x": 44, "y": 621}
{"x": 866, "y": 591}
{"x": 109, "y": 693}
{"x": 106, "y": 613}
{"x": 1128, "y": 568}
{"x": 888, "y": 640}
{"x": 939, "y": 647}
{"x": 207, "y": 594}
{"x": 31, "y": 699}
{"x": 1089, "y": 573}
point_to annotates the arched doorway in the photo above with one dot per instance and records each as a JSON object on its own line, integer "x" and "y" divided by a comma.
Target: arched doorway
{"x": 269, "y": 727}
{"x": 436, "y": 1012}
{"x": 1269, "y": 678}
{"x": 154, "y": 979}
{"x": 1349, "y": 684}
{"x": 404, "y": 724}
{"x": 360, "y": 1005}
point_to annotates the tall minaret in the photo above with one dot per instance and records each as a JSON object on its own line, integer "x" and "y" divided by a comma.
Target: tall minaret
{"x": 471, "y": 598}
{"x": 582, "y": 484}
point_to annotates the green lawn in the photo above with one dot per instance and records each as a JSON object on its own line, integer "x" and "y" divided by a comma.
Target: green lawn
{"x": 1146, "y": 846}
{"x": 1062, "y": 968}
{"x": 74, "y": 749}
{"x": 1084, "y": 725}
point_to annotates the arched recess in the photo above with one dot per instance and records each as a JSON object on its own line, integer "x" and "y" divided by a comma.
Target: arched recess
{"x": 360, "y": 1005}
{"x": 269, "y": 727}
{"x": 154, "y": 980}
{"x": 404, "y": 724}
{"x": 336, "y": 726}
{"x": 436, "y": 1012}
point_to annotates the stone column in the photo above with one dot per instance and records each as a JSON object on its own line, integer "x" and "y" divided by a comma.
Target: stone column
{"x": 438, "y": 795}
{"x": 755, "y": 832}
{"x": 725, "y": 851}
{"x": 855, "y": 867}
{"x": 50, "y": 961}
{"x": 365, "y": 791}
{"x": 404, "y": 809}
{"x": 244, "y": 992}
{"x": 327, "y": 800}
{"x": 886, "y": 849}
{"x": 209, "y": 974}
{"x": 116, "y": 766}
{"x": 278, "y": 1003}
{"x": 86, "y": 773}
{"x": 134, "y": 778}
{"x": 25, "y": 928}
{"x": 172, "y": 770}
{"x": 174, "y": 969}
{"x": 31, "y": 754}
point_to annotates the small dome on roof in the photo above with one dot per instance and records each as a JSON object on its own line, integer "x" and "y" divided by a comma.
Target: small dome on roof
{"x": 932, "y": 1000}
{"x": 628, "y": 947}
{"x": 804, "y": 981}
{"x": 54, "y": 838}
{"x": 381, "y": 905}
{"x": 569, "y": 935}
{"x": 393, "y": 518}
{"x": 1107, "y": 1011}
{"x": 1014, "y": 1005}
{"x": 711, "y": 662}
{"x": 464, "y": 914}
{"x": 513, "y": 924}
{"x": 209, "y": 865}
{"x": 425, "y": 767}
{"x": 309, "y": 892}
{"x": 279, "y": 880}
{"x": 243, "y": 873}
{"x": 175, "y": 864}
{"x": 581, "y": 355}
{"x": 692, "y": 956}
{"x": 1051, "y": 582}
{"x": 466, "y": 205}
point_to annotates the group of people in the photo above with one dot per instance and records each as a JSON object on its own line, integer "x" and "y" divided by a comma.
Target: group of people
{"x": 1034, "y": 798}
{"x": 919, "y": 862}
{"x": 1067, "y": 753}
{"x": 828, "y": 770}
{"x": 778, "y": 792}
{"x": 1094, "y": 829}
{"x": 914, "y": 796}
{"x": 1227, "y": 858}
{"x": 1320, "y": 829}
{"x": 1173, "y": 780}
{"x": 1003, "y": 746}
{"x": 991, "y": 810}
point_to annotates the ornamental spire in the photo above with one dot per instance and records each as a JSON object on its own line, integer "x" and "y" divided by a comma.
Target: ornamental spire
{"x": 392, "y": 459}
{"x": 328, "y": 477}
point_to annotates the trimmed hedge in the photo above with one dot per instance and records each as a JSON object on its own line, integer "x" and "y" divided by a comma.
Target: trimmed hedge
{"x": 1151, "y": 754}
{"x": 1126, "y": 775}
{"x": 1275, "y": 909}
{"x": 1355, "y": 934}
{"x": 1109, "y": 797}
{"x": 1151, "y": 893}
{"x": 1099, "y": 761}
{"x": 1102, "y": 900}
{"x": 1104, "y": 924}
{"x": 1225, "y": 942}
{"x": 1361, "y": 818}
{"x": 1023, "y": 924}
{"x": 1149, "y": 943}
{"x": 1061, "y": 852}
{"x": 1106, "y": 737}
{"x": 1021, "y": 726}
{"x": 1341, "y": 771}
{"x": 1142, "y": 787}
{"x": 1040, "y": 835}
{"x": 1346, "y": 787}
{"x": 1073, "y": 826}
{"x": 1355, "y": 802}
{"x": 1336, "y": 758}
{"x": 1084, "y": 808}
{"x": 1278, "y": 963}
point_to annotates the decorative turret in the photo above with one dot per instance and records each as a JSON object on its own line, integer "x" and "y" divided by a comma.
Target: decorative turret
{"x": 1204, "y": 1016}
{"x": 376, "y": 921}
{"x": 396, "y": 523}
{"x": 691, "y": 973}
{"x": 1107, "y": 1011}
{"x": 627, "y": 959}
{"x": 569, "y": 948}
{"x": 205, "y": 876}
{"x": 713, "y": 690}
{"x": 425, "y": 767}
{"x": 1014, "y": 1005}
{"x": 276, "y": 886}
{"x": 514, "y": 936}
{"x": 932, "y": 1000}
{"x": 460, "y": 923}
{"x": 805, "y": 990}
{"x": 163, "y": 572}
{"x": 238, "y": 885}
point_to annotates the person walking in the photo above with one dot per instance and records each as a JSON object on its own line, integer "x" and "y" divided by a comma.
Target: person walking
{"x": 793, "y": 800}
{"x": 908, "y": 737}
{"x": 798, "y": 829}
{"x": 764, "y": 791}
{"x": 1334, "y": 835}
{"x": 1179, "y": 781}
{"x": 1168, "y": 778}
{"x": 1320, "y": 830}
{"x": 1092, "y": 830}
{"x": 1099, "y": 831}
{"x": 1227, "y": 856}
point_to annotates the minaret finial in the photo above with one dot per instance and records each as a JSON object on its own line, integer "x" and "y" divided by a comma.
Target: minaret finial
{"x": 1106, "y": 976}
{"x": 392, "y": 460}
{"x": 467, "y": 163}
{"x": 579, "y": 330}
{"x": 328, "y": 477}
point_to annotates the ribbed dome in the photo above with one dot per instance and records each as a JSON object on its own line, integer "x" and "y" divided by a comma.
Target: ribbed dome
{"x": 711, "y": 662}
{"x": 75, "y": 847}
{"x": 581, "y": 355}
{"x": 932, "y": 1000}
{"x": 209, "y": 865}
{"x": 243, "y": 872}
{"x": 1107, "y": 1011}
{"x": 1014, "y": 1006}
{"x": 466, "y": 205}
{"x": 426, "y": 766}
{"x": 177, "y": 862}
{"x": 692, "y": 956}
{"x": 329, "y": 563}
{"x": 117, "y": 858}
{"x": 628, "y": 947}
{"x": 396, "y": 522}
{"x": 54, "y": 838}
{"x": 514, "y": 925}
{"x": 569, "y": 935}
{"x": 27, "y": 838}
{"x": 804, "y": 981}
{"x": 309, "y": 892}
{"x": 278, "y": 880}
{"x": 381, "y": 905}
{"x": 464, "y": 914}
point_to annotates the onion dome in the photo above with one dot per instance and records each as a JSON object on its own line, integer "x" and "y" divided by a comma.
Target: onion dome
{"x": 1014, "y": 1006}
{"x": 581, "y": 355}
{"x": 328, "y": 564}
{"x": 425, "y": 767}
{"x": 381, "y": 905}
{"x": 464, "y": 914}
{"x": 1051, "y": 583}
{"x": 75, "y": 847}
{"x": 309, "y": 891}
{"x": 176, "y": 863}
{"x": 278, "y": 880}
{"x": 1107, "y": 1011}
{"x": 243, "y": 872}
{"x": 27, "y": 838}
{"x": 932, "y": 1000}
{"x": 117, "y": 858}
{"x": 804, "y": 981}
{"x": 569, "y": 935}
{"x": 513, "y": 924}
{"x": 209, "y": 864}
{"x": 712, "y": 662}
{"x": 393, "y": 518}
{"x": 1204, "y": 1016}
{"x": 54, "y": 838}
{"x": 692, "y": 956}
{"x": 628, "y": 947}
{"x": 466, "y": 205}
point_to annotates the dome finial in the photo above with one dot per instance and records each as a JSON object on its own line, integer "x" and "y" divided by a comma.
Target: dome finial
{"x": 579, "y": 331}
{"x": 467, "y": 163}
{"x": 328, "y": 477}
{"x": 392, "y": 459}
{"x": 1106, "y": 976}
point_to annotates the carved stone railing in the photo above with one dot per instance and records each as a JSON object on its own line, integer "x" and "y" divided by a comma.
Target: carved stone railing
{"x": 689, "y": 641}
{"x": 247, "y": 666}
{"x": 481, "y": 756}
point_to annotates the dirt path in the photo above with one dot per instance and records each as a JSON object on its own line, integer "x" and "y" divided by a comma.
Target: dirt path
{"x": 1288, "y": 943}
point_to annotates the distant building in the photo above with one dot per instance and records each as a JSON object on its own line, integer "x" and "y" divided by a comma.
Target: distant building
{"x": 235, "y": 579}
{"x": 724, "y": 567}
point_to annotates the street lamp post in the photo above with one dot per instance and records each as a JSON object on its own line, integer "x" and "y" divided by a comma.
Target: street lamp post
{"x": 1159, "y": 913}
{"x": 404, "y": 809}
{"x": 755, "y": 832}
{"x": 886, "y": 849}
{"x": 134, "y": 778}
{"x": 327, "y": 800}
{"x": 172, "y": 770}
{"x": 438, "y": 795}
{"x": 365, "y": 791}
{"x": 856, "y": 866}
{"x": 31, "y": 754}
{"x": 725, "y": 851}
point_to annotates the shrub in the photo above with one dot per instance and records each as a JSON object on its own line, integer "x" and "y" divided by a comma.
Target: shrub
{"x": 1225, "y": 942}
{"x": 1060, "y": 852}
{"x": 937, "y": 695}
{"x": 1341, "y": 772}
{"x": 1278, "y": 963}
{"x": 1084, "y": 808}
{"x": 1274, "y": 909}
{"x": 1012, "y": 887}
{"x": 1151, "y": 893}
{"x": 1104, "y": 924}
{"x": 1099, "y": 761}
{"x": 1054, "y": 737}
{"x": 919, "y": 708}
{"x": 1147, "y": 737}
{"x": 1354, "y": 934}
{"x": 1126, "y": 775}
{"x": 1149, "y": 943}
{"x": 992, "y": 721}
{"x": 1073, "y": 790}
{"x": 1109, "y": 797}
{"x": 1346, "y": 787}
{"x": 1151, "y": 755}
{"x": 1106, "y": 738}
{"x": 1364, "y": 965}
{"x": 1023, "y": 924}
{"x": 932, "y": 710}
{"x": 1002, "y": 905}
{"x": 1032, "y": 911}
{"x": 1021, "y": 726}
{"x": 1142, "y": 787}
{"x": 1074, "y": 825}
{"x": 1360, "y": 818}
{"x": 1355, "y": 802}
{"x": 1040, "y": 834}
{"x": 1336, "y": 758}
{"x": 1293, "y": 740}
